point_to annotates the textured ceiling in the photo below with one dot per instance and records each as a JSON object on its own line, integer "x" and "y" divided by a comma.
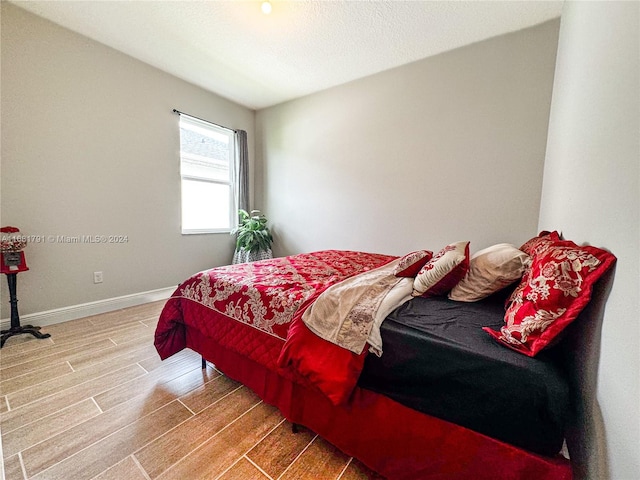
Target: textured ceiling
{"x": 257, "y": 60}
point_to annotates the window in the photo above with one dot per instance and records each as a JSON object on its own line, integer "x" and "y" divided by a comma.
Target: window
{"x": 207, "y": 160}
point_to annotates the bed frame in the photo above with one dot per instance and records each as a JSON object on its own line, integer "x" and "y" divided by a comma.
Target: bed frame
{"x": 581, "y": 352}
{"x": 401, "y": 443}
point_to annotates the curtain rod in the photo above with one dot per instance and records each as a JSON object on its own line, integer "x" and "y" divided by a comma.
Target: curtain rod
{"x": 203, "y": 120}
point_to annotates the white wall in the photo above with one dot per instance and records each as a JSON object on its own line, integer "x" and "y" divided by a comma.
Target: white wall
{"x": 591, "y": 192}
{"x": 90, "y": 146}
{"x": 445, "y": 149}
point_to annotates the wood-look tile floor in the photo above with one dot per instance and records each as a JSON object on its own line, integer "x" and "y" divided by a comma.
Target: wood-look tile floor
{"x": 94, "y": 401}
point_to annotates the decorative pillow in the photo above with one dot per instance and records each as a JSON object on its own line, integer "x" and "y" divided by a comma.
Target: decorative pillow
{"x": 553, "y": 292}
{"x": 490, "y": 270}
{"x": 411, "y": 263}
{"x": 443, "y": 271}
{"x": 544, "y": 236}
{"x": 531, "y": 247}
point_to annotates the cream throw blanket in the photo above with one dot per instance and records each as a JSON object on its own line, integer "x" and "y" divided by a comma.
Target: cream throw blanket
{"x": 349, "y": 313}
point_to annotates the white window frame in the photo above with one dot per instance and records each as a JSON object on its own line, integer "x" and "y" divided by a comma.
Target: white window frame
{"x": 232, "y": 183}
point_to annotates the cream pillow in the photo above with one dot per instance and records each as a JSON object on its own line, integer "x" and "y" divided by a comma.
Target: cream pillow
{"x": 490, "y": 270}
{"x": 443, "y": 271}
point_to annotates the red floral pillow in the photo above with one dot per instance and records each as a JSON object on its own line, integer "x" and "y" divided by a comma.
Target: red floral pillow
{"x": 443, "y": 272}
{"x": 551, "y": 294}
{"x": 411, "y": 263}
{"x": 531, "y": 247}
{"x": 542, "y": 239}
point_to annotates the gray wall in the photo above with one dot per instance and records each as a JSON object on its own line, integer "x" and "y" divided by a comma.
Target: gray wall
{"x": 591, "y": 191}
{"x": 445, "y": 149}
{"x": 90, "y": 147}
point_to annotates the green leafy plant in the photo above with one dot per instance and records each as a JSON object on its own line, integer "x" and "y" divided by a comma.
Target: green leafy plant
{"x": 252, "y": 232}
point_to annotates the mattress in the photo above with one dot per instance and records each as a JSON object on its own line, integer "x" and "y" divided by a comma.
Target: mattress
{"x": 437, "y": 360}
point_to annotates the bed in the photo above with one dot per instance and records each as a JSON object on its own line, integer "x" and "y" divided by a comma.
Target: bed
{"x": 406, "y": 381}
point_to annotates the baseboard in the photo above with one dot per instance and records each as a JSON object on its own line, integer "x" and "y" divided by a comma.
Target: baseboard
{"x": 65, "y": 314}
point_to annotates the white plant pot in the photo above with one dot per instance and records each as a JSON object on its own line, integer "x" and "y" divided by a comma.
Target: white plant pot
{"x": 245, "y": 256}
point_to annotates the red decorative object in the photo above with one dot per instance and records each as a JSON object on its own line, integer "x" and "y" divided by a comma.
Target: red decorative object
{"x": 11, "y": 240}
{"x": 551, "y": 294}
{"x": 13, "y": 262}
{"x": 532, "y": 244}
{"x": 11, "y": 246}
{"x": 531, "y": 247}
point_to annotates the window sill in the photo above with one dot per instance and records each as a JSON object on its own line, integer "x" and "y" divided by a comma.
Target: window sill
{"x": 226, "y": 231}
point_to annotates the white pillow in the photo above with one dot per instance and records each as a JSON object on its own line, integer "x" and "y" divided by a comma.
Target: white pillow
{"x": 490, "y": 270}
{"x": 443, "y": 271}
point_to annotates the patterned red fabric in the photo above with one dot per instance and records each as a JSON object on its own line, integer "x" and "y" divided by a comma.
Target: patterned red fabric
{"x": 265, "y": 295}
{"x": 551, "y": 294}
{"x": 411, "y": 263}
{"x": 529, "y": 246}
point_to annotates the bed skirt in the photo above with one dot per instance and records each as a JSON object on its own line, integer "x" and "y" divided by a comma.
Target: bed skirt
{"x": 391, "y": 439}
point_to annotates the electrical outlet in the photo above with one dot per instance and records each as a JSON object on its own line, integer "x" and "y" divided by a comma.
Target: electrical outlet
{"x": 97, "y": 277}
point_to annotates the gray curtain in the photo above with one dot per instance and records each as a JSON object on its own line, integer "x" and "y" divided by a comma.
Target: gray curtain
{"x": 242, "y": 169}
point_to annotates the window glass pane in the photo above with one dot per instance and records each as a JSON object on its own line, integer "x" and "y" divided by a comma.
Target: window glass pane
{"x": 207, "y": 162}
{"x": 205, "y": 205}
{"x": 205, "y": 152}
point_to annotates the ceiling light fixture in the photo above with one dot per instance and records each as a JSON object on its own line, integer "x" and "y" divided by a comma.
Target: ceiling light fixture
{"x": 266, "y": 8}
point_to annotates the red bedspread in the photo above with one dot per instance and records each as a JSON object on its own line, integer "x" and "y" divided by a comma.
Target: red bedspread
{"x": 267, "y": 296}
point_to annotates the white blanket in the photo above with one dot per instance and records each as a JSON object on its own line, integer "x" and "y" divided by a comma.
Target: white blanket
{"x": 349, "y": 314}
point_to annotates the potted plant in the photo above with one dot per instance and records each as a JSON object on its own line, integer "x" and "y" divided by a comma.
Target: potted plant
{"x": 253, "y": 241}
